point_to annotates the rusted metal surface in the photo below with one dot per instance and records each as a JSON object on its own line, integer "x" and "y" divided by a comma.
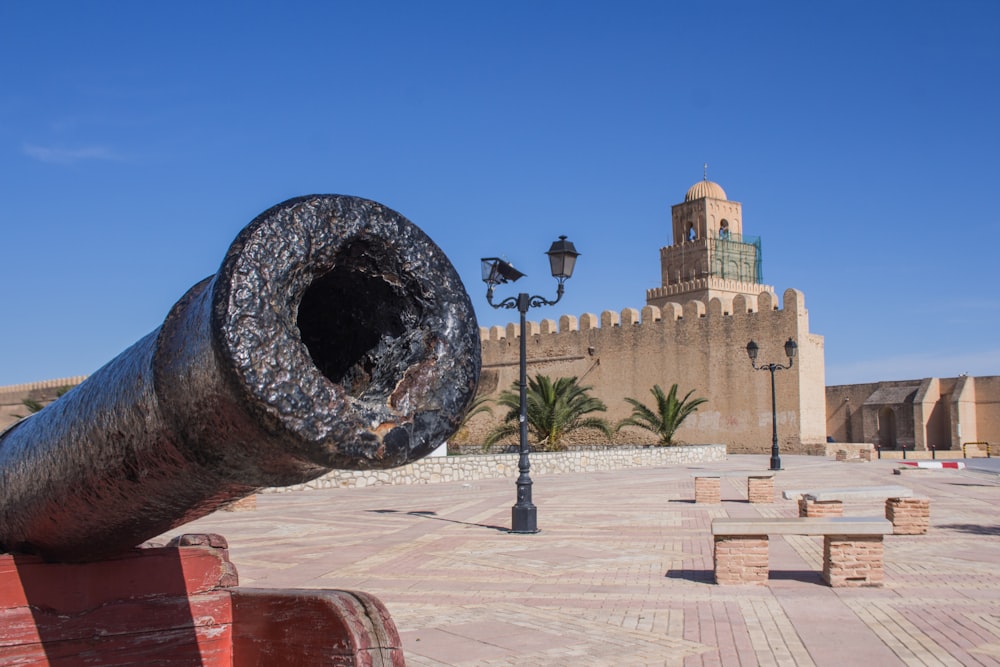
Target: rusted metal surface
{"x": 336, "y": 334}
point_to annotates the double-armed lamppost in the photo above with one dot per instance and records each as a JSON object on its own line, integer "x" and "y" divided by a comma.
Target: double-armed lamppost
{"x": 562, "y": 257}
{"x": 790, "y": 349}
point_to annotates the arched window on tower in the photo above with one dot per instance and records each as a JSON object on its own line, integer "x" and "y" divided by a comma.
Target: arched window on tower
{"x": 724, "y": 229}
{"x": 690, "y": 234}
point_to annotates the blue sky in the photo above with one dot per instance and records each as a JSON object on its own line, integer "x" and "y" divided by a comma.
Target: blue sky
{"x": 137, "y": 139}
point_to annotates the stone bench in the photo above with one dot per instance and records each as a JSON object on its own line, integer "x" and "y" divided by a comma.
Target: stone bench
{"x": 708, "y": 489}
{"x": 909, "y": 515}
{"x": 852, "y": 548}
{"x": 863, "y": 455}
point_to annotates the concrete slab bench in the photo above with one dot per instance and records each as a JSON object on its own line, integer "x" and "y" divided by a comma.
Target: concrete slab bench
{"x": 708, "y": 488}
{"x": 909, "y": 515}
{"x": 851, "y": 493}
{"x": 853, "y": 551}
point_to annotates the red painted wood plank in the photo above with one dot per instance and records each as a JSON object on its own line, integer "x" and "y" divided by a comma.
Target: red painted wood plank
{"x": 278, "y": 627}
{"x": 20, "y": 625}
{"x": 75, "y": 587}
{"x": 208, "y": 647}
{"x": 163, "y": 606}
{"x": 178, "y": 606}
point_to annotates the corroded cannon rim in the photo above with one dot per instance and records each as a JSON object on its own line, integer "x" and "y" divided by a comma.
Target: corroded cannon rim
{"x": 347, "y": 327}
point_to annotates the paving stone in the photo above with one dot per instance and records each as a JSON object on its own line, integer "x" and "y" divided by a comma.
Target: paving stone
{"x": 621, "y": 572}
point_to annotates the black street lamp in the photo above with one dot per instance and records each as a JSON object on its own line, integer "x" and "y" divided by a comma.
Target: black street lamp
{"x": 562, "y": 257}
{"x": 790, "y": 349}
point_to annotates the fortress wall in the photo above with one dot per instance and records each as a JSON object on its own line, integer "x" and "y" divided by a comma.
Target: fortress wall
{"x": 845, "y": 419}
{"x": 11, "y": 396}
{"x": 988, "y": 415}
{"x": 932, "y": 414}
{"x": 975, "y": 410}
{"x": 698, "y": 346}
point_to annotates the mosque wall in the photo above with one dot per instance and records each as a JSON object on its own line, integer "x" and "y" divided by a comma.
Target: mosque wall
{"x": 928, "y": 414}
{"x": 12, "y": 397}
{"x": 975, "y": 403}
{"x": 701, "y": 348}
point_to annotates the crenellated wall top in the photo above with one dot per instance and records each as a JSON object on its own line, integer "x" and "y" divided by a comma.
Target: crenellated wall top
{"x": 766, "y": 305}
{"x": 43, "y": 384}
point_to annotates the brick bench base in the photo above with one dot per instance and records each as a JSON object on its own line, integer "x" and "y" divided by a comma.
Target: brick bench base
{"x": 815, "y": 508}
{"x": 741, "y": 559}
{"x": 760, "y": 489}
{"x": 853, "y": 560}
{"x": 849, "y": 559}
{"x": 909, "y": 516}
{"x": 707, "y": 490}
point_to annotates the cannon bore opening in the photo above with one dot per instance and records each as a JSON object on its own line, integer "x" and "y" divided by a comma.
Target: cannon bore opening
{"x": 351, "y": 321}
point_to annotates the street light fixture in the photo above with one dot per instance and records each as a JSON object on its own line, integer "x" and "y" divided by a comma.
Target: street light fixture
{"x": 562, "y": 258}
{"x": 790, "y": 350}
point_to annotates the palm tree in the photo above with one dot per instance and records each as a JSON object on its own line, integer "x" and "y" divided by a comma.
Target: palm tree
{"x": 668, "y": 415}
{"x": 554, "y": 410}
{"x": 479, "y": 405}
{"x": 32, "y": 405}
{"x": 36, "y": 406}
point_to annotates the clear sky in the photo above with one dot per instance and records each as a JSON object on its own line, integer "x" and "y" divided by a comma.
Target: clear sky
{"x": 137, "y": 139}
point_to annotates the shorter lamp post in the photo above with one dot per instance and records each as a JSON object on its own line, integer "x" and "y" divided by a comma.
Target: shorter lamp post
{"x": 562, "y": 258}
{"x": 790, "y": 349}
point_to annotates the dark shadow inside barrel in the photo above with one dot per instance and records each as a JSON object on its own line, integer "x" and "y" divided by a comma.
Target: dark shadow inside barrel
{"x": 351, "y": 320}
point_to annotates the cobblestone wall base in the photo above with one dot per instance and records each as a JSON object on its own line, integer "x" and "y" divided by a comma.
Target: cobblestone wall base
{"x": 435, "y": 469}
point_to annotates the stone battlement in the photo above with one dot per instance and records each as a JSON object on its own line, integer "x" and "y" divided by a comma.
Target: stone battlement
{"x": 44, "y": 392}
{"x": 700, "y": 346}
{"x": 28, "y": 387}
{"x": 699, "y": 284}
{"x": 743, "y": 309}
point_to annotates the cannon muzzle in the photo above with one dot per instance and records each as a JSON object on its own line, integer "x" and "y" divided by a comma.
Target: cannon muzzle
{"x": 335, "y": 334}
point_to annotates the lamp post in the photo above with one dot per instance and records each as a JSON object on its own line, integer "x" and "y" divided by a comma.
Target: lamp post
{"x": 562, "y": 258}
{"x": 790, "y": 349}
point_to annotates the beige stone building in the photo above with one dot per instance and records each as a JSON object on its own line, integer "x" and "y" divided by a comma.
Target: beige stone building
{"x": 927, "y": 414}
{"x": 693, "y": 330}
{"x": 12, "y": 397}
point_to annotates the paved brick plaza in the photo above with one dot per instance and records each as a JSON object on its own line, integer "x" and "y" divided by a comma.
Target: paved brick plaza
{"x": 621, "y": 573}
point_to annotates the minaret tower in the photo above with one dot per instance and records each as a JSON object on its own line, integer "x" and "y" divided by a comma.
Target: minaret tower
{"x": 710, "y": 256}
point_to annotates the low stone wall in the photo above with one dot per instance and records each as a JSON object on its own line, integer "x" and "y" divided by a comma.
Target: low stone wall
{"x": 434, "y": 469}
{"x": 853, "y": 449}
{"x": 786, "y": 447}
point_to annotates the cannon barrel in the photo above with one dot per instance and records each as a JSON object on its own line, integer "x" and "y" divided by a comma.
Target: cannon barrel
{"x": 335, "y": 334}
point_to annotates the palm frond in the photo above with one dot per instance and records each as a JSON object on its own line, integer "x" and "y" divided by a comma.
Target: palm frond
{"x": 554, "y": 409}
{"x": 668, "y": 415}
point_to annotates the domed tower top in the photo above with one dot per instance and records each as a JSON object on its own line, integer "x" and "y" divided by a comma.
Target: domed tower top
{"x": 706, "y": 212}
{"x": 710, "y": 256}
{"x": 705, "y": 188}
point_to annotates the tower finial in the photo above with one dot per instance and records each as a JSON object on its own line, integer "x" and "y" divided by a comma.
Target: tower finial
{"x": 706, "y": 171}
